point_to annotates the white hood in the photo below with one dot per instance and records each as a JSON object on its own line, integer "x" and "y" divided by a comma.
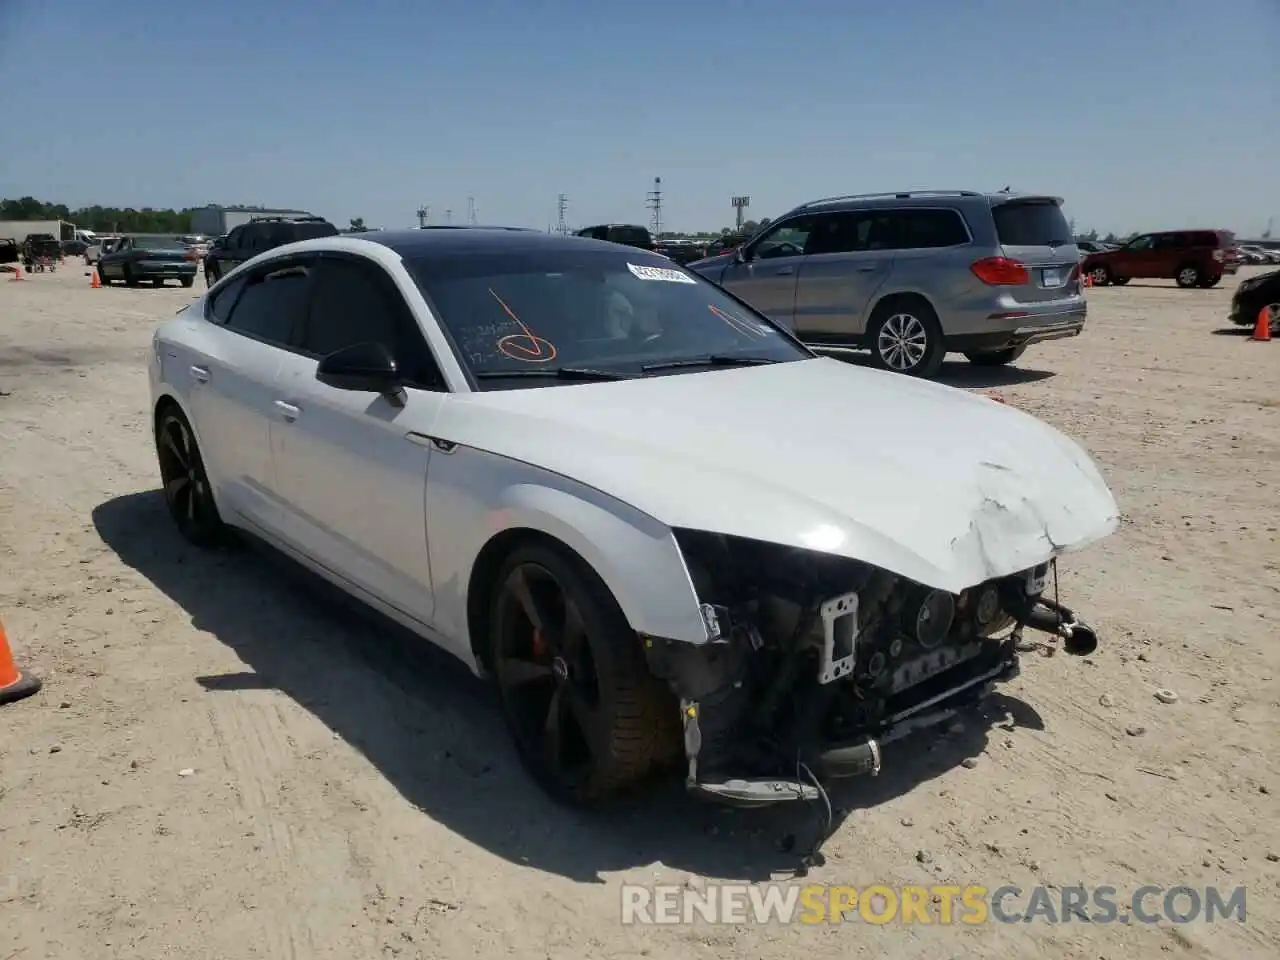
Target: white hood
{"x": 929, "y": 482}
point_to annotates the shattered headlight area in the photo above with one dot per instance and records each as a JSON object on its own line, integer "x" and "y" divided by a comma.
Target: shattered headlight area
{"x": 814, "y": 662}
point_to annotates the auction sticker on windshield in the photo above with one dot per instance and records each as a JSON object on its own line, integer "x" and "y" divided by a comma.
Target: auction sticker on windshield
{"x": 659, "y": 273}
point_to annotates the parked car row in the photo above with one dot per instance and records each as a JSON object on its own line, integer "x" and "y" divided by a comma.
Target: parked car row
{"x": 1254, "y": 254}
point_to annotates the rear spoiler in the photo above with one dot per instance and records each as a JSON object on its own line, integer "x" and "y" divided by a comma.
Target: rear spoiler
{"x": 1000, "y": 200}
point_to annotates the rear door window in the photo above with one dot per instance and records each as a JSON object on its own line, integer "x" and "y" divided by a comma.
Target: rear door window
{"x": 1031, "y": 224}
{"x": 837, "y": 233}
{"x": 271, "y": 303}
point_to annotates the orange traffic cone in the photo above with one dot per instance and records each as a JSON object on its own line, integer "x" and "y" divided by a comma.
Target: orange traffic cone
{"x": 95, "y": 283}
{"x": 17, "y": 273}
{"x": 1262, "y": 328}
{"x": 14, "y": 684}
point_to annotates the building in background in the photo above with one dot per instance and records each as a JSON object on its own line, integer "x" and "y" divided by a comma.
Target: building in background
{"x": 216, "y": 221}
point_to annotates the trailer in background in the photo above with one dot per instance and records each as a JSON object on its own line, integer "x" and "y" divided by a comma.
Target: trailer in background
{"x": 19, "y": 230}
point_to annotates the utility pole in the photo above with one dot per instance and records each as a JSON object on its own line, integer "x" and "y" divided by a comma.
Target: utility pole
{"x": 424, "y": 214}
{"x": 739, "y": 204}
{"x": 562, "y": 204}
{"x": 654, "y": 202}
{"x": 471, "y": 210}
{"x": 448, "y": 216}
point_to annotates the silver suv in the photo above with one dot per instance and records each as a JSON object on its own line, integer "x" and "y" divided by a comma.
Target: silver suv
{"x": 911, "y": 276}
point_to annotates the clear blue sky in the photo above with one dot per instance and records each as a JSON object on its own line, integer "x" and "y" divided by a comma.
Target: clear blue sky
{"x": 1142, "y": 113}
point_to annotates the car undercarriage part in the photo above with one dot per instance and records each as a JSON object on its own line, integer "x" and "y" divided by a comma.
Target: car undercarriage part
{"x": 814, "y": 663}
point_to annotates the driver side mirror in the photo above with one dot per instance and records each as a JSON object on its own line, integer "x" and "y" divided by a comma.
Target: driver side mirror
{"x": 740, "y": 255}
{"x": 365, "y": 367}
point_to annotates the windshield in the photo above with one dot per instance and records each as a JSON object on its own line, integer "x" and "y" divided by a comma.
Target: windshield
{"x": 158, "y": 243}
{"x": 554, "y": 309}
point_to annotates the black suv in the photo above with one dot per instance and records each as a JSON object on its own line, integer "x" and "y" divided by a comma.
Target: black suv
{"x": 261, "y": 233}
{"x": 625, "y": 233}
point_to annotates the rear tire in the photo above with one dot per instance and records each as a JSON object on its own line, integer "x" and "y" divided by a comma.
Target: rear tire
{"x": 185, "y": 482}
{"x": 129, "y": 279}
{"x": 997, "y": 358}
{"x": 187, "y": 281}
{"x": 905, "y": 337}
{"x": 1188, "y": 276}
{"x": 157, "y": 282}
{"x": 1101, "y": 275}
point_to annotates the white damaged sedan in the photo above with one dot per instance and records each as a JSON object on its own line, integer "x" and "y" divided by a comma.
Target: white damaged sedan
{"x": 666, "y": 529}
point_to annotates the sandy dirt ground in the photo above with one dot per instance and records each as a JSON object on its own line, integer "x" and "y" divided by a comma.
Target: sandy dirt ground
{"x": 227, "y": 763}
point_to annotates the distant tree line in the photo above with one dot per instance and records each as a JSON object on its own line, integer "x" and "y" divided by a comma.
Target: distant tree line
{"x": 106, "y": 219}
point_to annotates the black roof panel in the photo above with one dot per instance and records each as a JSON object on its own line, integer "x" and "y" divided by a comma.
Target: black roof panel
{"x": 469, "y": 239}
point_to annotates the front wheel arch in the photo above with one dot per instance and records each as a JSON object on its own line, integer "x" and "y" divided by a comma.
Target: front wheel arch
{"x": 636, "y": 556}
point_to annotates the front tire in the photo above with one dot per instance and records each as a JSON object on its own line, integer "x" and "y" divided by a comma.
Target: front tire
{"x": 1101, "y": 275}
{"x": 1188, "y": 276}
{"x": 996, "y": 358}
{"x": 187, "y": 492}
{"x": 905, "y": 337}
{"x": 587, "y": 716}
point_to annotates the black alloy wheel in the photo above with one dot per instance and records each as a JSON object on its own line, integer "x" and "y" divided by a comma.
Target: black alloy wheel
{"x": 186, "y": 485}
{"x": 587, "y": 717}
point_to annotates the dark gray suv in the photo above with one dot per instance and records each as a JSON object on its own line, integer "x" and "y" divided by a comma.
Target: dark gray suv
{"x": 911, "y": 276}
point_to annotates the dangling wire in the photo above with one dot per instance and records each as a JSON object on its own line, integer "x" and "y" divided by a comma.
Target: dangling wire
{"x": 827, "y": 820}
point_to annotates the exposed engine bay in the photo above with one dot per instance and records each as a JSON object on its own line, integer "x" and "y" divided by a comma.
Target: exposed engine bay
{"x": 815, "y": 662}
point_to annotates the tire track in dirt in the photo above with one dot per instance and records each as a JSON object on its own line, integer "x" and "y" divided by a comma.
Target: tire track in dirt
{"x": 254, "y": 748}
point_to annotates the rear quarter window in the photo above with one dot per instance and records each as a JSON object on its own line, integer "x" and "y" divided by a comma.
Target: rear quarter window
{"x": 309, "y": 231}
{"x": 222, "y": 300}
{"x": 629, "y": 235}
{"x": 1035, "y": 224}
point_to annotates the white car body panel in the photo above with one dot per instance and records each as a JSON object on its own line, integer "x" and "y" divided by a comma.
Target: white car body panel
{"x": 929, "y": 482}
{"x": 351, "y": 489}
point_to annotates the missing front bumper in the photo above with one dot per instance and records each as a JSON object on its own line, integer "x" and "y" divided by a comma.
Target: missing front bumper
{"x": 945, "y": 697}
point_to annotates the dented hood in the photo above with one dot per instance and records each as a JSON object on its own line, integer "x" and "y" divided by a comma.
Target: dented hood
{"x": 930, "y": 482}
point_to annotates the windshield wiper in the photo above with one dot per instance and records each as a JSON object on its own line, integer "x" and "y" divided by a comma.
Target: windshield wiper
{"x": 709, "y": 360}
{"x": 557, "y": 373}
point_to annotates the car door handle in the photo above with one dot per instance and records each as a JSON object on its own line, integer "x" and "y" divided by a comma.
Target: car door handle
{"x": 200, "y": 373}
{"x": 867, "y": 268}
{"x": 784, "y": 271}
{"x": 288, "y": 410}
